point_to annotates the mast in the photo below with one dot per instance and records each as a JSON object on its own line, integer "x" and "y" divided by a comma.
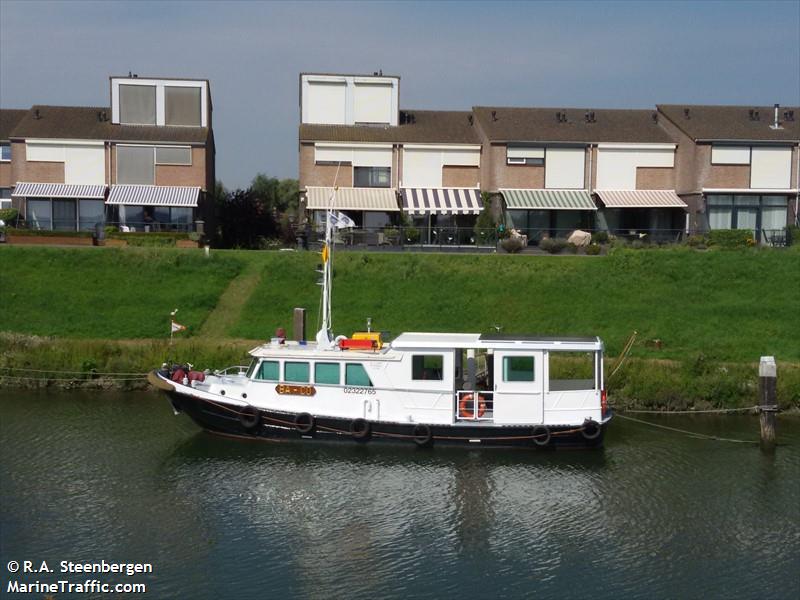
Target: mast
{"x": 324, "y": 336}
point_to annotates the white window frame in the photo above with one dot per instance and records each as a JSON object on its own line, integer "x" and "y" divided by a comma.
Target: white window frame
{"x": 3, "y": 144}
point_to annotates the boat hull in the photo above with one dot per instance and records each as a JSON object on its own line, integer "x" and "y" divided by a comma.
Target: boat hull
{"x": 220, "y": 418}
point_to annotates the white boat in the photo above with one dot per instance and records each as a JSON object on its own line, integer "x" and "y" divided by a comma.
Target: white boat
{"x": 421, "y": 388}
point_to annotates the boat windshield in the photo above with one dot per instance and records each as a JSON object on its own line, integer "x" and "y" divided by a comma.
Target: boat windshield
{"x": 252, "y": 368}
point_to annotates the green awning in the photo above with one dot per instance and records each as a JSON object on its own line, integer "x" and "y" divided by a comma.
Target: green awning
{"x": 548, "y": 199}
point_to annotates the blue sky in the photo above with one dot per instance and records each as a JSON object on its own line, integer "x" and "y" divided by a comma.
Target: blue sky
{"x": 450, "y": 55}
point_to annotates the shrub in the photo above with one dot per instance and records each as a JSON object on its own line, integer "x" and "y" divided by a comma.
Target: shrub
{"x": 572, "y": 248}
{"x": 9, "y": 215}
{"x": 696, "y": 241}
{"x": 639, "y": 244}
{"x": 792, "y": 234}
{"x": 730, "y": 238}
{"x": 600, "y": 237}
{"x": 593, "y": 249}
{"x": 411, "y": 235}
{"x": 553, "y": 245}
{"x": 512, "y": 245}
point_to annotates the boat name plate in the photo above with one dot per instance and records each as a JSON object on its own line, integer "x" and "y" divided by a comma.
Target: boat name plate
{"x": 295, "y": 390}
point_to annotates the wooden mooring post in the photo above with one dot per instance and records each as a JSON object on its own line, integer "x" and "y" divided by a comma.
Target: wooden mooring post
{"x": 767, "y": 398}
{"x": 299, "y": 324}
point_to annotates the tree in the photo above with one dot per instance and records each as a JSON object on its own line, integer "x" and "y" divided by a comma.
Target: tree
{"x": 242, "y": 220}
{"x": 277, "y": 195}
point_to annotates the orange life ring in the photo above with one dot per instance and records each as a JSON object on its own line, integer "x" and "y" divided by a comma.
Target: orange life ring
{"x": 466, "y": 410}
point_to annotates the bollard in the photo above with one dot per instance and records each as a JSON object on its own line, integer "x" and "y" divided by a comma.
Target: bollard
{"x": 299, "y": 324}
{"x": 767, "y": 398}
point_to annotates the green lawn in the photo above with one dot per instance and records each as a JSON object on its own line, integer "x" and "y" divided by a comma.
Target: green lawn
{"x": 112, "y": 293}
{"x": 726, "y": 305}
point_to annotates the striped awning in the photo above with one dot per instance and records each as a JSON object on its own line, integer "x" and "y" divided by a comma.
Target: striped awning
{"x": 640, "y": 199}
{"x": 443, "y": 201}
{"x": 379, "y": 199}
{"x": 59, "y": 190}
{"x": 548, "y": 199}
{"x": 154, "y": 195}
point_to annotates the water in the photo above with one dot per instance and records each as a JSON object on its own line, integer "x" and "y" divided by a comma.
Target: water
{"x": 115, "y": 477}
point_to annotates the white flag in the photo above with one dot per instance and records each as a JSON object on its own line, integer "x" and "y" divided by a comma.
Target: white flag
{"x": 177, "y": 327}
{"x": 340, "y": 220}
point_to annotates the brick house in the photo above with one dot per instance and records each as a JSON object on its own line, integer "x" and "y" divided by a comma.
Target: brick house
{"x": 390, "y": 166}
{"x": 146, "y": 162}
{"x": 557, "y": 170}
{"x": 8, "y": 120}
{"x": 737, "y": 166}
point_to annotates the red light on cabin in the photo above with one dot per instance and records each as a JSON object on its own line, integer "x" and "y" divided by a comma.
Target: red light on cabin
{"x": 603, "y": 402}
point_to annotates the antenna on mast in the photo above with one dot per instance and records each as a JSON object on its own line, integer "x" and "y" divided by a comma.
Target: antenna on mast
{"x": 324, "y": 335}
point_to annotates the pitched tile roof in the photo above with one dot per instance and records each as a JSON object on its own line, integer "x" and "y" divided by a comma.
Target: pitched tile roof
{"x": 542, "y": 125}
{"x": 420, "y": 126}
{"x": 707, "y": 122}
{"x": 9, "y": 117}
{"x": 84, "y": 123}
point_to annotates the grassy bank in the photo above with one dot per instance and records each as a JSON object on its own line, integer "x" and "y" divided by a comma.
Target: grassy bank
{"x": 704, "y": 318}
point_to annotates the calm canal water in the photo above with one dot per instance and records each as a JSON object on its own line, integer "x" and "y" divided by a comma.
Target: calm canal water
{"x": 115, "y": 477}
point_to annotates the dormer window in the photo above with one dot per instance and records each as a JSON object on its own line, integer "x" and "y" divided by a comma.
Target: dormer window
{"x": 137, "y": 104}
{"x": 182, "y": 106}
{"x": 170, "y": 102}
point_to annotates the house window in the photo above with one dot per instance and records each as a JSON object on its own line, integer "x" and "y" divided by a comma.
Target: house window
{"x": 135, "y": 165}
{"x": 327, "y": 373}
{"x": 537, "y": 162}
{"x": 137, "y": 104}
{"x": 173, "y": 155}
{"x": 90, "y": 212}
{"x": 517, "y": 368}
{"x": 356, "y": 374}
{"x": 5, "y": 198}
{"x": 39, "y": 214}
{"x": 767, "y": 213}
{"x": 64, "y": 215}
{"x": 5, "y": 151}
{"x": 372, "y": 177}
{"x": 268, "y": 371}
{"x": 296, "y": 372}
{"x": 182, "y": 106}
{"x": 172, "y": 214}
{"x": 427, "y": 367}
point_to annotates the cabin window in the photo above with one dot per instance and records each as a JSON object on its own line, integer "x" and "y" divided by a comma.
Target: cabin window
{"x": 427, "y": 367}
{"x": 356, "y": 374}
{"x": 268, "y": 371}
{"x": 326, "y": 373}
{"x": 573, "y": 371}
{"x": 517, "y": 368}
{"x": 295, "y": 371}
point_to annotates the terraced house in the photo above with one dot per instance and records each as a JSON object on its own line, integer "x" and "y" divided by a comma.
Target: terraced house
{"x": 144, "y": 162}
{"x": 640, "y": 172}
{"x": 737, "y": 166}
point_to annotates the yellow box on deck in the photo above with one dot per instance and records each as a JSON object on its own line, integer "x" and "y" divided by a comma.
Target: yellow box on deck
{"x": 374, "y": 336}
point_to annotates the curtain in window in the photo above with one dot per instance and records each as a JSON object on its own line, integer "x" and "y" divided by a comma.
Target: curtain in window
{"x": 182, "y": 105}
{"x": 167, "y": 155}
{"x": 135, "y": 165}
{"x": 746, "y": 212}
{"x": 720, "y": 212}
{"x": 137, "y": 104}
{"x": 773, "y": 212}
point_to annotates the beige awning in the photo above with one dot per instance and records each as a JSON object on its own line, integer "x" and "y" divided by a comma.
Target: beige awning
{"x": 640, "y": 199}
{"x": 379, "y": 199}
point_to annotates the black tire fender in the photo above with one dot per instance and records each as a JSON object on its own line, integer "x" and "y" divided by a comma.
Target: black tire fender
{"x": 540, "y": 435}
{"x": 591, "y": 429}
{"x": 305, "y": 423}
{"x": 250, "y": 417}
{"x": 360, "y": 429}
{"x": 423, "y": 437}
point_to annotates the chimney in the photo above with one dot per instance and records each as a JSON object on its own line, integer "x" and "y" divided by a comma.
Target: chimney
{"x": 686, "y": 113}
{"x": 655, "y": 117}
{"x": 36, "y": 114}
{"x": 776, "y": 123}
{"x": 469, "y": 118}
{"x": 494, "y": 115}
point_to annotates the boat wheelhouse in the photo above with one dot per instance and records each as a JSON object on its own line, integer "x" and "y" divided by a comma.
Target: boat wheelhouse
{"x": 421, "y": 388}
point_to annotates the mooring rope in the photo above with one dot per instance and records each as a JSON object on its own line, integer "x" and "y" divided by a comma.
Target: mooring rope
{"x": 624, "y": 354}
{"x": 689, "y": 433}
{"x": 688, "y": 412}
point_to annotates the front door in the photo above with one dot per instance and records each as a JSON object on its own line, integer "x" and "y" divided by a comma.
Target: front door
{"x": 518, "y": 387}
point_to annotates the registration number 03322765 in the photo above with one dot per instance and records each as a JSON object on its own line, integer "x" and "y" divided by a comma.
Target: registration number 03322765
{"x": 359, "y": 390}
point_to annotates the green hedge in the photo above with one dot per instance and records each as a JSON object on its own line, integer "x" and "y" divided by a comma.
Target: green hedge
{"x": 47, "y": 233}
{"x": 730, "y": 238}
